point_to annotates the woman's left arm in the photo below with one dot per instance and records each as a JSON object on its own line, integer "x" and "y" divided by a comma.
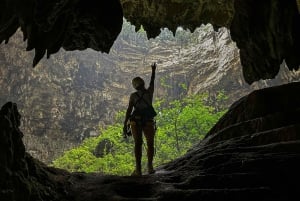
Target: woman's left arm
{"x": 128, "y": 112}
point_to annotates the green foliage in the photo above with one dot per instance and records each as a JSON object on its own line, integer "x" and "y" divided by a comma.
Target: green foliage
{"x": 183, "y": 123}
{"x": 163, "y": 82}
{"x": 141, "y": 30}
{"x": 183, "y": 86}
{"x": 180, "y": 125}
{"x": 117, "y": 161}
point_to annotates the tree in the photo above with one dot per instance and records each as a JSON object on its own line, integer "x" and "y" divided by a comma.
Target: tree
{"x": 180, "y": 125}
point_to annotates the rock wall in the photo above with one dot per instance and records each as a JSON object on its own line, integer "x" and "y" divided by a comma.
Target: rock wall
{"x": 266, "y": 32}
{"x": 65, "y": 98}
{"x": 21, "y": 176}
{"x": 252, "y": 153}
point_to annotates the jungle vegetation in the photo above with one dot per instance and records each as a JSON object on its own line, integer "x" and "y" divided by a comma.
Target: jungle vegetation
{"x": 180, "y": 124}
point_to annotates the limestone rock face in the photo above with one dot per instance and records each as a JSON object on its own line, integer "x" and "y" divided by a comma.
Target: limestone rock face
{"x": 251, "y": 153}
{"x": 154, "y": 15}
{"x": 65, "y": 98}
{"x": 267, "y": 32}
{"x": 73, "y": 25}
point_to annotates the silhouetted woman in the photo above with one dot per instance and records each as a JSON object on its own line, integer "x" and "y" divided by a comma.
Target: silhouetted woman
{"x": 139, "y": 122}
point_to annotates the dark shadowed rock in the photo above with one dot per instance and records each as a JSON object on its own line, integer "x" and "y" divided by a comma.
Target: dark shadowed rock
{"x": 53, "y": 24}
{"x": 267, "y": 32}
{"x": 22, "y": 177}
{"x": 103, "y": 147}
{"x": 252, "y": 153}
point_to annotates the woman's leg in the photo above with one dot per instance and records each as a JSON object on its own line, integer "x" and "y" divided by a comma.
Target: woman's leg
{"x": 138, "y": 141}
{"x": 149, "y": 133}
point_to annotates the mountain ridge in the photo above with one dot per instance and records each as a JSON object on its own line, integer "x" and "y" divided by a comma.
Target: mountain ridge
{"x": 65, "y": 98}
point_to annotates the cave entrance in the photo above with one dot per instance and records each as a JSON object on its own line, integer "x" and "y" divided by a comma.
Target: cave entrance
{"x": 65, "y": 98}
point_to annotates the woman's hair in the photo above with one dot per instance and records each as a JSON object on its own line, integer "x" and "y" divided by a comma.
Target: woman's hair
{"x": 138, "y": 83}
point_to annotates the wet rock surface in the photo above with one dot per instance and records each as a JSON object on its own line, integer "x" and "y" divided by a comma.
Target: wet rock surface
{"x": 252, "y": 153}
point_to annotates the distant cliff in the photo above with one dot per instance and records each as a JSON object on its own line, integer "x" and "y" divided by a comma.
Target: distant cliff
{"x": 65, "y": 98}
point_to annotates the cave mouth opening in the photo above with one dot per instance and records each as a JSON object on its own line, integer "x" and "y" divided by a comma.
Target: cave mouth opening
{"x": 171, "y": 86}
{"x": 65, "y": 98}
{"x": 257, "y": 166}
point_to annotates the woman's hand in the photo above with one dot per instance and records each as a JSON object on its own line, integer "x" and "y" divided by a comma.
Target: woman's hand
{"x": 153, "y": 66}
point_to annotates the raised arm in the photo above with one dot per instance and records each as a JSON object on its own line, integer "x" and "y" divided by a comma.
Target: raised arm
{"x": 151, "y": 85}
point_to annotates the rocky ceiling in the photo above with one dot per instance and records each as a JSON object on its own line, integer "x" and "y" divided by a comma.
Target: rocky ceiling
{"x": 267, "y": 32}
